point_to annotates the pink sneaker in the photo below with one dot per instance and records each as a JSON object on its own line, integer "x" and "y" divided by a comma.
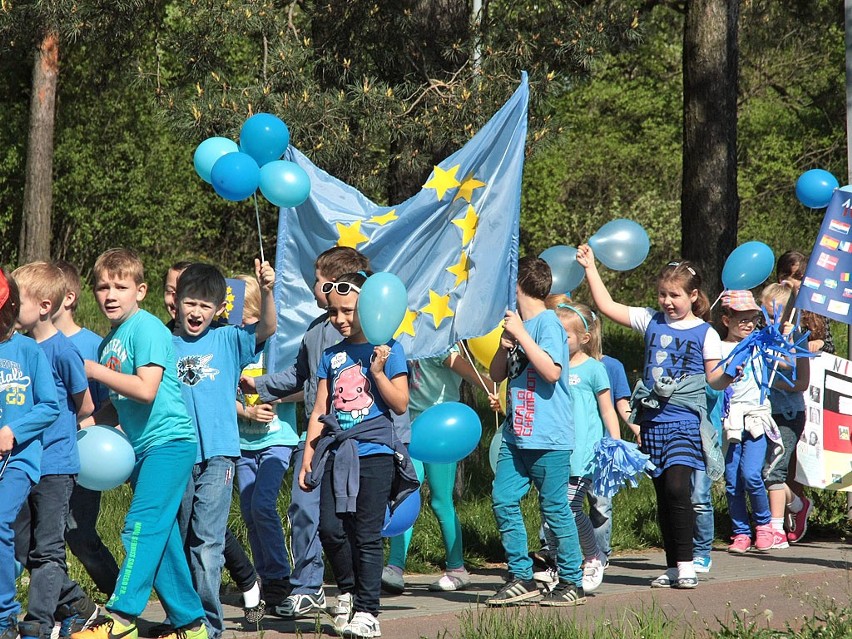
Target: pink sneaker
{"x": 763, "y": 537}
{"x": 779, "y": 540}
{"x": 799, "y": 522}
{"x": 740, "y": 545}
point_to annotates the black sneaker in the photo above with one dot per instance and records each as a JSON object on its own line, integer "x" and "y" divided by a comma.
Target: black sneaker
{"x": 81, "y": 614}
{"x": 29, "y": 630}
{"x": 276, "y": 591}
{"x": 515, "y": 592}
{"x": 254, "y": 615}
{"x": 565, "y": 594}
{"x": 9, "y": 627}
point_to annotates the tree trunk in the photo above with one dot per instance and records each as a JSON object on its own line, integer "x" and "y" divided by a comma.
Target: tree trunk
{"x": 709, "y": 203}
{"x": 38, "y": 190}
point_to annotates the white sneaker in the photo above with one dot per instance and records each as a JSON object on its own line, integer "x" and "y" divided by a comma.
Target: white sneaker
{"x": 393, "y": 582}
{"x": 593, "y": 572}
{"x": 364, "y": 625}
{"x": 341, "y": 612}
{"x": 451, "y": 580}
{"x": 546, "y": 579}
{"x": 302, "y": 605}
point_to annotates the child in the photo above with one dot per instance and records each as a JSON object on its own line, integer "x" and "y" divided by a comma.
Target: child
{"x": 40, "y": 527}
{"x": 746, "y": 423}
{"x": 28, "y": 408}
{"x": 138, "y": 366}
{"x": 81, "y": 533}
{"x": 209, "y": 362}
{"x": 359, "y": 385}
{"x": 681, "y": 354}
{"x": 538, "y": 440}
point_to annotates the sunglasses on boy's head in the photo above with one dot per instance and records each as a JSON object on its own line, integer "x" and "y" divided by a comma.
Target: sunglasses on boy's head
{"x": 343, "y": 288}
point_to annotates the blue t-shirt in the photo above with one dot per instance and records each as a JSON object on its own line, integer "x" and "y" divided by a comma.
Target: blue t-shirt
{"x": 354, "y": 397}
{"x": 586, "y": 381}
{"x": 618, "y": 383}
{"x": 538, "y": 413}
{"x": 88, "y": 344}
{"x": 60, "y": 456}
{"x": 143, "y": 340}
{"x": 209, "y": 367}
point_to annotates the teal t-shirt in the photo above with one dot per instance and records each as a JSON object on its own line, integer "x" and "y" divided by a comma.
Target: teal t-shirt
{"x": 143, "y": 340}
{"x": 431, "y": 383}
{"x": 586, "y": 381}
{"x": 281, "y": 431}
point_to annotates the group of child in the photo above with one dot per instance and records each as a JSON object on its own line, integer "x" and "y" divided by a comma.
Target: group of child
{"x": 200, "y": 410}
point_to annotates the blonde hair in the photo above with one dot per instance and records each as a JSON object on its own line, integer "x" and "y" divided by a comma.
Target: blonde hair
{"x": 582, "y": 319}
{"x": 120, "y": 263}
{"x": 251, "y": 306}
{"x": 775, "y": 295}
{"x": 41, "y": 281}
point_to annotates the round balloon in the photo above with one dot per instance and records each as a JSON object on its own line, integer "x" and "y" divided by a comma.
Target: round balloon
{"x": 565, "y": 272}
{"x": 814, "y": 188}
{"x": 284, "y": 183}
{"x": 403, "y": 517}
{"x": 264, "y": 137}
{"x": 381, "y": 306}
{"x": 208, "y": 152}
{"x": 485, "y": 348}
{"x": 445, "y": 433}
{"x": 235, "y": 176}
{"x": 106, "y": 458}
{"x": 494, "y": 449}
{"x": 501, "y": 394}
{"x": 748, "y": 266}
{"x": 620, "y": 245}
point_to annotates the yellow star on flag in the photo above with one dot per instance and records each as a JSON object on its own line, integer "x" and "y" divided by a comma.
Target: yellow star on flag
{"x": 442, "y": 181}
{"x": 460, "y": 269}
{"x": 381, "y": 220}
{"x": 407, "y": 324}
{"x": 438, "y": 307}
{"x": 466, "y": 189}
{"x": 351, "y": 235}
{"x": 468, "y": 225}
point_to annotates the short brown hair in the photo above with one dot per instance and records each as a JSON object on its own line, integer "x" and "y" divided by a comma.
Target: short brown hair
{"x": 41, "y": 281}
{"x": 72, "y": 280}
{"x": 119, "y": 262}
{"x": 9, "y": 310}
{"x": 534, "y": 278}
{"x": 339, "y": 260}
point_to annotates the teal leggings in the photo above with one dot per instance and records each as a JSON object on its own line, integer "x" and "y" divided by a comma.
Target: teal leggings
{"x": 442, "y": 480}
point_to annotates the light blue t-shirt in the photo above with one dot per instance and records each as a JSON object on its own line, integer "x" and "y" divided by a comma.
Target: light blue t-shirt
{"x": 143, "y": 340}
{"x": 586, "y": 381}
{"x": 354, "y": 397}
{"x": 209, "y": 367}
{"x": 88, "y": 344}
{"x": 431, "y": 383}
{"x": 281, "y": 431}
{"x": 60, "y": 455}
{"x": 618, "y": 383}
{"x": 539, "y": 413}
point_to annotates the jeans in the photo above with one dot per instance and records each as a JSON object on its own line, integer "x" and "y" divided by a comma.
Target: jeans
{"x": 304, "y": 513}
{"x": 702, "y": 505}
{"x": 259, "y": 477}
{"x": 353, "y": 541}
{"x": 238, "y": 564}
{"x": 548, "y": 471}
{"x": 15, "y": 485}
{"x": 600, "y": 512}
{"x": 744, "y": 474}
{"x": 83, "y": 539}
{"x": 577, "y": 490}
{"x": 204, "y": 512}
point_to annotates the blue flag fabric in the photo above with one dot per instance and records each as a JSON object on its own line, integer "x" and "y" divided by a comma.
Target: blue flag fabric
{"x": 454, "y": 244}
{"x": 235, "y": 302}
{"x": 826, "y": 288}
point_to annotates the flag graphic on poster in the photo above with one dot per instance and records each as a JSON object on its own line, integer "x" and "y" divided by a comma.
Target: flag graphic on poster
{"x": 847, "y": 292}
{"x": 844, "y": 277}
{"x": 818, "y": 298}
{"x": 829, "y": 242}
{"x": 829, "y": 283}
{"x": 827, "y": 261}
{"x": 811, "y": 282}
{"x": 845, "y": 246}
{"x": 837, "y": 226}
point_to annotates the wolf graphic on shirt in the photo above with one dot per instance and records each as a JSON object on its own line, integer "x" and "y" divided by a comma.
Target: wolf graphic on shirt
{"x": 352, "y": 399}
{"x": 194, "y": 369}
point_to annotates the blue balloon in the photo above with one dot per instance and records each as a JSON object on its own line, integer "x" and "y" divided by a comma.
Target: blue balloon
{"x": 381, "y": 306}
{"x": 748, "y": 266}
{"x": 494, "y": 449}
{"x": 235, "y": 176}
{"x": 445, "y": 433}
{"x": 264, "y": 137}
{"x": 404, "y": 516}
{"x": 106, "y": 458}
{"x": 621, "y": 244}
{"x": 566, "y": 273}
{"x": 814, "y": 188}
{"x": 284, "y": 183}
{"x": 208, "y": 152}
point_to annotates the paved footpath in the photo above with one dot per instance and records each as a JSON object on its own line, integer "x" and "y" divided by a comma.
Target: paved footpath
{"x": 777, "y": 588}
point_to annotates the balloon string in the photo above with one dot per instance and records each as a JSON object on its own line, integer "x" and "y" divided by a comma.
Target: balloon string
{"x": 259, "y": 235}
{"x": 713, "y": 305}
{"x": 475, "y": 369}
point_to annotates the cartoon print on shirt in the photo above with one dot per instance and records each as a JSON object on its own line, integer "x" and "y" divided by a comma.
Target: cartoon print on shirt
{"x": 193, "y": 369}
{"x": 352, "y": 398}
{"x": 517, "y": 361}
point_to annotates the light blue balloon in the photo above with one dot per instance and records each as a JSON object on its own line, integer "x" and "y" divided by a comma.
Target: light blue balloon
{"x": 404, "y": 516}
{"x": 284, "y": 183}
{"x": 208, "y": 152}
{"x": 445, "y": 433}
{"x": 566, "y": 273}
{"x": 748, "y": 266}
{"x": 494, "y": 449}
{"x": 621, "y": 245}
{"x": 814, "y": 188}
{"x": 235, "y": 176}
{"x": 106, "y": 458}
{"x": 264, "y": 137}
{"x": 381, "y": 307}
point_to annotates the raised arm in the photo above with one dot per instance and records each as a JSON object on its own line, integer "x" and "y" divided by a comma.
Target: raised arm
{"x": 617, "y": 312}
{"x": 268, "y": 317}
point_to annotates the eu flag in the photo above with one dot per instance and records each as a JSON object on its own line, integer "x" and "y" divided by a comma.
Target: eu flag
{"x": 454, "y": 243}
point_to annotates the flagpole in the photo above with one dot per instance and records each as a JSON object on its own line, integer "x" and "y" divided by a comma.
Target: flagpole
{"x": 847, "y": 7}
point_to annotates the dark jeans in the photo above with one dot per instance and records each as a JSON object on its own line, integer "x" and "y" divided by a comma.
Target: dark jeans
{"x": 238, "y": 564}
{"x": 40, "y": 546}
{"x": 674, "y": 512}
{"x": 353, "y": 541}
{"x": 83, "y": 539}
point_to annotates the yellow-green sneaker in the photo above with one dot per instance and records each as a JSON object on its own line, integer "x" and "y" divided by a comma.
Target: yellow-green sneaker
{"x": 108, "y": 628}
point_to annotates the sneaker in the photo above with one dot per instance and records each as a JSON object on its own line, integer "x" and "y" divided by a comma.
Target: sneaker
{"x": 363, "y": 624}
{"x": 685, "y": 583}
{"x": 9, "y": 627}
{"x": 593, "y": 573}
{"x": 702, "y": 564}
{"x": 565, "y": 594}
{"x": 763, "y": 537}
{"x": 779, "y": 540}
{"x": 451, "y": 580}
{"x": 302, "y": 605}
{"x": 546, "y": 579}
{"x": 740, "y": 545}
{"x": 255, "y": 614}
{"x": 29, "y": 630}
{"x": 161, "y": 629}
{"x": 515, "y": 592}
{"x": 83, "y": 614}
{"x": 275, "y": 591}
{"x": 663, "y": 581}
{"x": 799, "y": 522}
{"x": 106, "y": 628}
{"x": 341, "y": 612}
{"x": 392, "y": 581}
{"x": 189, "y": 633}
